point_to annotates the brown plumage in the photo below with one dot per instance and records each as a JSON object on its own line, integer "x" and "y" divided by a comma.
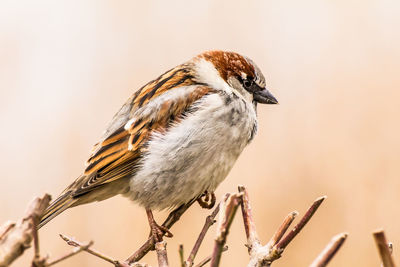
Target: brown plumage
{"x": 115, "y": 156}
{"x": 201, "y": 109}
{"x": 229, "y": 64}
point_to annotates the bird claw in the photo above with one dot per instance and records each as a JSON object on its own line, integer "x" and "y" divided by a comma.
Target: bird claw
{"x": 207, "y": 200}
{"x": 158, "y": 232}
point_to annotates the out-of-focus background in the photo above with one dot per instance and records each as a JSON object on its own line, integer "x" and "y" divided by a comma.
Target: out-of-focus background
{"x": 66, "y": 67}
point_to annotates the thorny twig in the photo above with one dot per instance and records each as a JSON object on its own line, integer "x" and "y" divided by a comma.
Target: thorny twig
{"x": 383, "y": 248}
{"x": 329, "y": 251}
{"x": 228, "y": 210}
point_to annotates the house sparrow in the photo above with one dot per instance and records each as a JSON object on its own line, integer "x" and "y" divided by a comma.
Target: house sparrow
{"x": 175, "y": 138}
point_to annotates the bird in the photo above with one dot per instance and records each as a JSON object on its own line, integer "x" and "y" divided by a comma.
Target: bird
{"x": 175, "y": 138}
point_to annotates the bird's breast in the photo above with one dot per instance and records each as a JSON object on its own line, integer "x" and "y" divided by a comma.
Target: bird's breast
{"x": 194, "y": 155}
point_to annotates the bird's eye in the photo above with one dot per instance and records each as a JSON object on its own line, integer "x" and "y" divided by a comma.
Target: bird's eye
{"x": 248, "y": 83}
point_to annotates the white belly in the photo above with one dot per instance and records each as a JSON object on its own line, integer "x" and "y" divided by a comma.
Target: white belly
{"x": 195, "y": 155}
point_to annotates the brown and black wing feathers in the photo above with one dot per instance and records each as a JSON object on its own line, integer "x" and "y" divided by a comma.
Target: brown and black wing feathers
{"x": 116, "y": 156}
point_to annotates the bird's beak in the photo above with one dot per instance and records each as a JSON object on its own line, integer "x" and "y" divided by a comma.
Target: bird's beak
{"x": 264, "y": 97}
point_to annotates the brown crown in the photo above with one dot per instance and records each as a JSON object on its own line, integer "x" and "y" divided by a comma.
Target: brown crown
{"x": 229, "y": 63}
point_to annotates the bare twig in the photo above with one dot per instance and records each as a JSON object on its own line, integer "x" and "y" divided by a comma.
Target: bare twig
{"x": 74, "y": 251}
{"x": 5, "y": 228}
{"x": 35, "y": 237}
{"x": 15, "y": 238}
{"x": 249, "y": 225}
{"x": 282, "y": 229}
{"x": 228, "y": 210}
{"x": 210, "y": 220}
{"x": 173, "y": 217}
{"x": 161, "y": 249}
{"x": 329, "y": 251}
{"x": 37, "y": 261}
{"x": 72, "y": 242}
{"x": 310, "y": 212}
{"x": 265, "y": 255}
{"x": 276, "y": 251}
{"x": 207, "y": 260}
{"x": 383, "y": 248}
{"x": 181, "y": 255}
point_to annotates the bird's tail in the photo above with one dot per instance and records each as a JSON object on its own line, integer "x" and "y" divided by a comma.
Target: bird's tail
{"x": 62, "y": 203}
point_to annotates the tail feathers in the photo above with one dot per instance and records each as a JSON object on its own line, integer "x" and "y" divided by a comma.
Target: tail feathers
{"x": 59, "y": 205}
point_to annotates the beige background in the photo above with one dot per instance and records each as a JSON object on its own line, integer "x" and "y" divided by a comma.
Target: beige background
{"x": 67, "y": 66}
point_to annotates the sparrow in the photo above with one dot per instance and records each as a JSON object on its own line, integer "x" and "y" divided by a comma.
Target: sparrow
{"x": 175, "y": 138}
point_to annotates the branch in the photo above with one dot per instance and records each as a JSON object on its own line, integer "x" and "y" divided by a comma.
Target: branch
{"x": 206, "y": 260}
{"x": 161, "y": 249}
{"x": 5, "y": 228}
{"x": 72, "y": 242}
{"x": 282, "y": 229}
{"x": 75, "y": 251}
{"x": 210, "y": 220}
{"x": 383, "y": 248}
{"x": 173, "y": 217}
{"x": 292, "y": 234}
{"x": 181, "y": 256}
{"x": 16, "y": 238}
{"x": 228, "y": 210}
{"x": 249, "y": 225}
{"x": 329, "y": 251}
{"x": 265, "y": 255}
{"x": 37, "y": 260}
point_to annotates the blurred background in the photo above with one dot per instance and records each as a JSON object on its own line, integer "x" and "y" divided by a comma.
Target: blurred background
{"x": 67, "y": 66}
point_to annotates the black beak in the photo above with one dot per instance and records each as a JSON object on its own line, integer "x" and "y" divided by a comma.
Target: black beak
{"x": 264, "y": 97}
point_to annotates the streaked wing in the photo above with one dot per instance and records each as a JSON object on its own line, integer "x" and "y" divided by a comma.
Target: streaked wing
{"x": 154, "y": 108}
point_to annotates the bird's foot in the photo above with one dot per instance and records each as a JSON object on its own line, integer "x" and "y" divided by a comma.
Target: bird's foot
{"x": 207, "y": 200}
{"x": 157, "y": 231}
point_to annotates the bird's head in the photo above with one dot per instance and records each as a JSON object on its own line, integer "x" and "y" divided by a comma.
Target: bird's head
{"x": 240, "y": 73}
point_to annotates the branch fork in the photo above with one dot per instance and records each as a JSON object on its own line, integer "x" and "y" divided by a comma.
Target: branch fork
{"x": 264, "y": 255}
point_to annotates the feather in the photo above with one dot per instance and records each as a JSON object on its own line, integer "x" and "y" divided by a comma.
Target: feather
{"x": 153, "y": 108}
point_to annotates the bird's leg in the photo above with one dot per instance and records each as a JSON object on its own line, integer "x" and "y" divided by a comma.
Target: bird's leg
{"x": 207, "y": 200}
{"x": 157, "y": 231}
